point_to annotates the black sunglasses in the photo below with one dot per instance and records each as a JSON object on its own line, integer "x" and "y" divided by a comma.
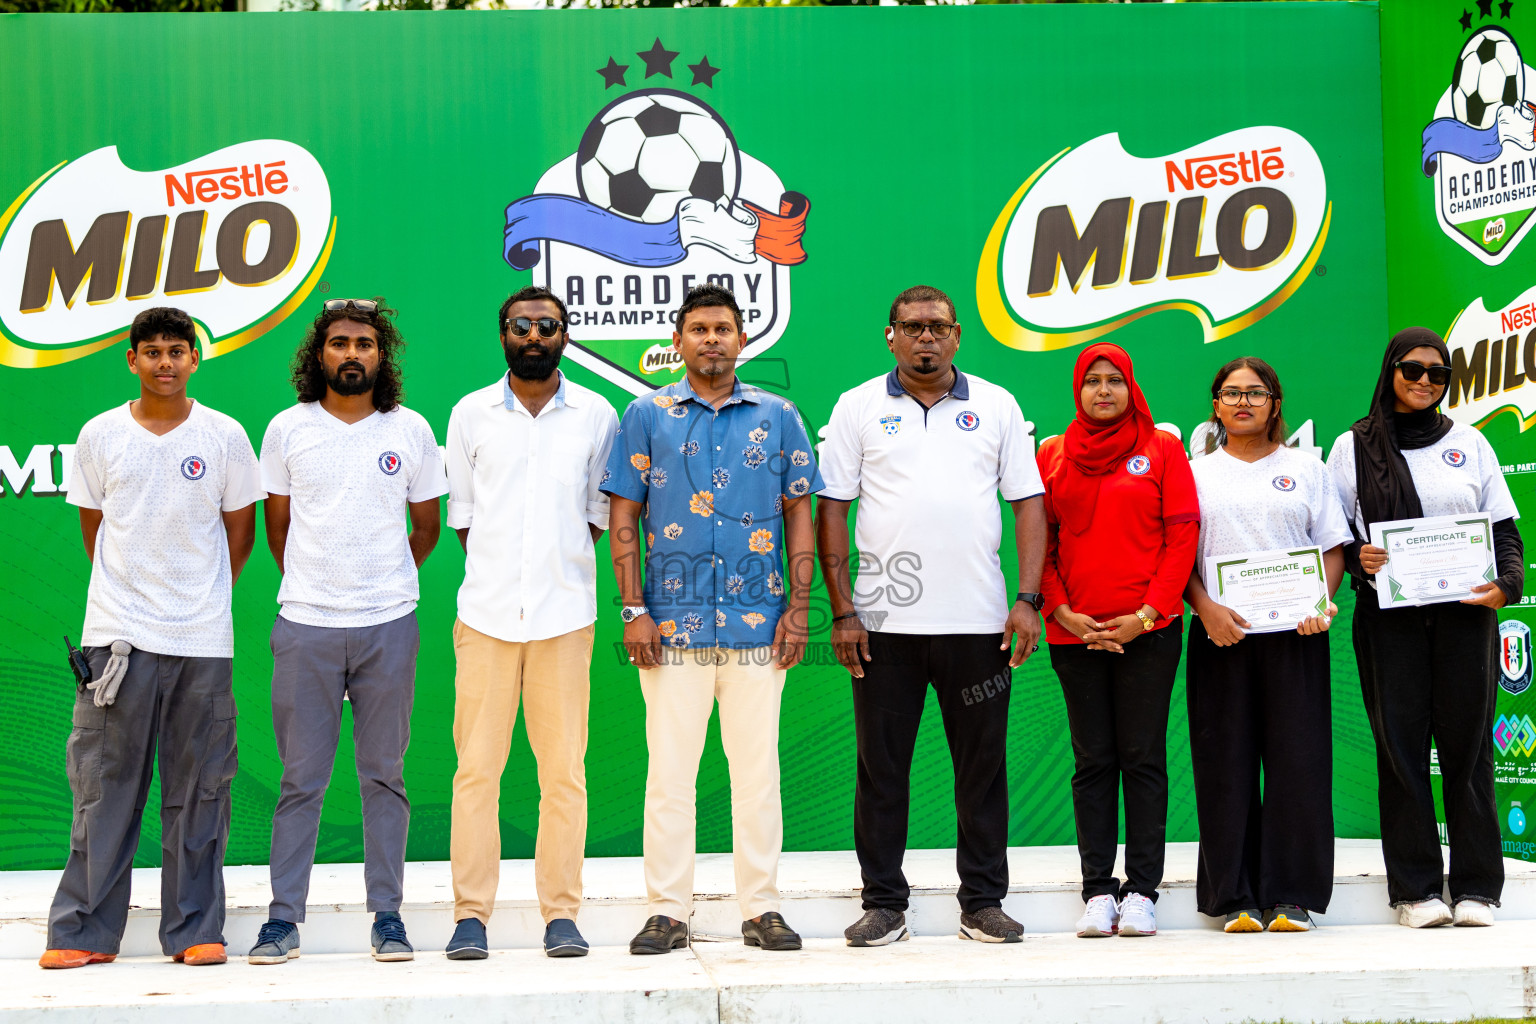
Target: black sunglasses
{"x": 1439, "y": 376}
{"x": 520, "y": 326}
{"x": 361, "y": 305}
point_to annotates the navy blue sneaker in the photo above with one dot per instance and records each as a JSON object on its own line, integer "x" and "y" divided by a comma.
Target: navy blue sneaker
{"x": 276, "y": 943}
{"x": 388, "y": 938}
{"x": 562, "y": 939}
{"x": 468, "y": 942}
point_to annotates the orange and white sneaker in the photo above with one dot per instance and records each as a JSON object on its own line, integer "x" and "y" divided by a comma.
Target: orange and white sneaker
{"x": 202, "y": 955}
{"x": 61, "y": 959}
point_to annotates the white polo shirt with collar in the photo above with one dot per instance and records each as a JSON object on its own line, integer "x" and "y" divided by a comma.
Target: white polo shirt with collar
{"x": 928, "y": 524}
{"x": 526, "y": 487}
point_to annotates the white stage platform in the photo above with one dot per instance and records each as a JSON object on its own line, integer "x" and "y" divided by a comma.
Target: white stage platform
{"x": 1356, "y": 966}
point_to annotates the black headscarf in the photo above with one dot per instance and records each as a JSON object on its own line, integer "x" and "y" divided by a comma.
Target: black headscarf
{"x": 1381, "y": 473}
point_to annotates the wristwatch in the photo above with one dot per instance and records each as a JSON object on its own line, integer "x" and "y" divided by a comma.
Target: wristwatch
{"x": 1147, "y": 622}
{"x": 631, "y": 612}
{"x": 1038, "y": 600}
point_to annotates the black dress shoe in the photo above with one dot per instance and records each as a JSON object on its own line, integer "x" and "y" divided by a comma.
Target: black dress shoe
{"x": 660, "y": 935}
{"x": 770, "y": 931}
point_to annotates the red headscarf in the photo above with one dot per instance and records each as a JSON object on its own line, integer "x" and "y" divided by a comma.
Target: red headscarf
{"x": 1095, "y": 447}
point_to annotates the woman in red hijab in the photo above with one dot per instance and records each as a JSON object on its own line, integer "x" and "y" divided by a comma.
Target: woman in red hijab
{"x": 1123, "y": 525}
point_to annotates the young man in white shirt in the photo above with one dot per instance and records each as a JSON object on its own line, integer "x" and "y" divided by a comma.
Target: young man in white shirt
{"x": 166, "y": 489}
{"x": 926, "y": 450}
{"x": 341, "y": 470}
{"x": 525, "y": 463}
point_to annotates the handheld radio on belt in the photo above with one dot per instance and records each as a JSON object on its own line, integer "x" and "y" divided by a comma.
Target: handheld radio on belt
{"x": 77, "y": 664}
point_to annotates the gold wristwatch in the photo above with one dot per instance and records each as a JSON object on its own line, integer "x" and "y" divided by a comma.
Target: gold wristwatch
{"x": 1147, "y": 622}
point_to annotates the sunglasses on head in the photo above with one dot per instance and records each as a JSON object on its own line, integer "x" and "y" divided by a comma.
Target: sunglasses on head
{"x": 520, "y": 326}
{"x": 1439, "y": 376}
{"x": 361, "y": 305}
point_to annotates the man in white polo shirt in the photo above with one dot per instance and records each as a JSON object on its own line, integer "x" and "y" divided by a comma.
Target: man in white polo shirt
{"x": 925, "y": 449}
{"x": 526, "y": 460}
{"x": 341, "y": 468}
{"x": 167, "y": 490}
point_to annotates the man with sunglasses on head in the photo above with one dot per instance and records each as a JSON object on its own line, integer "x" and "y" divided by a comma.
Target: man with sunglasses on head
{"x": 925, "y": 449}
{"x": 525, "y": 463}
{"x": 353, "y": 480}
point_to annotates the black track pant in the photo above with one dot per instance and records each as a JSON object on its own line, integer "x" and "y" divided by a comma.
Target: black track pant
{"x": 1430, "y": 673}
{"x": 1261, "y": 743}
{"x": 181, "y": 712}
{"x": 1117, "y": 707}
{"x": 971, "y": 677}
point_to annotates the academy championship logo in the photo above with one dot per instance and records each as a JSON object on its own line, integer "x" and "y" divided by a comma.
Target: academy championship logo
{"x": 657, "y": 198}
{"x": 1097, "y": 238}
{"x": 1493, "y": 357}
{"x": 1479, "y": 147}
{"x": 237, "y": 238}
{"x": 1514, "y": 656}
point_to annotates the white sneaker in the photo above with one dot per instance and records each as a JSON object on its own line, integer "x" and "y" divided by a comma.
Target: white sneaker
{"x": 1137, "y": 916}
{"x": 1430, "y": 913}
{"x": 1100, "y": 920}
{"x": 1473, "y": 914}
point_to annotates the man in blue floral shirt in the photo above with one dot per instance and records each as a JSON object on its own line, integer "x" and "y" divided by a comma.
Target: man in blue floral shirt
{"x": 716, "y": 476}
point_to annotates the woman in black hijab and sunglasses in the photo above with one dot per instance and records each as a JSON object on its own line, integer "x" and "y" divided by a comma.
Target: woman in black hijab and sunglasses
{"x": 1429, "y": 671}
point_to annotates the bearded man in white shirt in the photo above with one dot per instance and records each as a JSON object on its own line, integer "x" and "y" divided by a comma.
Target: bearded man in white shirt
{"x": 526, "y": 459}
{"x": 341, "y": 469}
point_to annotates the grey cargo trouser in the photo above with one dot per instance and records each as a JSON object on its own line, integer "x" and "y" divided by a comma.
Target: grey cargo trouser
{"x": 186, "y": 708}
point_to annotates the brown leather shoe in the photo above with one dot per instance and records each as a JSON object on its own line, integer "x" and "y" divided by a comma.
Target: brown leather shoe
{"x": 202, "y": 955}
{"x": 59, "y": 959}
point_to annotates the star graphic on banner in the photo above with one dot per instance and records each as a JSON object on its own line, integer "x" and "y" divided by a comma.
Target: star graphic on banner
{"x": 1505, "y": 7}
{"x": 658, "y": 59}
{"x": 613, "y": 74}
{"x": 703, "y": 74}
{"x": 1466, "y": 21}
{"x": 1485, "y": 8}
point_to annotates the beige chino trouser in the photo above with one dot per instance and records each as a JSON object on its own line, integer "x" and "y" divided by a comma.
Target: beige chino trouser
{"x": 679, "y": 696}
{"x": 552, "y": 680}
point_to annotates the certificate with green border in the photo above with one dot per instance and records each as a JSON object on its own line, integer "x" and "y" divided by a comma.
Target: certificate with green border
{"x": 1272, "y": 590}
{"x": 1434, "y": 559}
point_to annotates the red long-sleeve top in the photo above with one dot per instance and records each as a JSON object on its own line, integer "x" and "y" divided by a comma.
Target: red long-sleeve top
{"x": 1138, "y": 549}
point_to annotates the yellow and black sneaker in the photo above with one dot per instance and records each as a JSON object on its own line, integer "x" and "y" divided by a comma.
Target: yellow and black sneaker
{"x": 1287, "y": 917}
{"x": 1245, "y": 921}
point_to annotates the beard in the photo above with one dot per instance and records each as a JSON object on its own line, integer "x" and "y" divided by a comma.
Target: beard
{"x": 360, "y": 385}
{"x": 532, "y": 360}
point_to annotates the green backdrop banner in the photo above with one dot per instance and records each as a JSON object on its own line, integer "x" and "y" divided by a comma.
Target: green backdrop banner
{"x": 1195, "y": 181}
{"x": 1460, "y": 186}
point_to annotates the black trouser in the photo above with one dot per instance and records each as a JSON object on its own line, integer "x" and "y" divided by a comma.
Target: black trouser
{"x": 1261, "y": 709}
{"x": 1117, "y": 707}
{"x": 1430, "y": 672}
{"x": 971, "y": 678}
{"x": 185, "y": 708}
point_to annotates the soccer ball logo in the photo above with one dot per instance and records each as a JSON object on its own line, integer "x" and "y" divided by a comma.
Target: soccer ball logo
{"x": 1489, "y": 74}
{"x": 648, "y": 151}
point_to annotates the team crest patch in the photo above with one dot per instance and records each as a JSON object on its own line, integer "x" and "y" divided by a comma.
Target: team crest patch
{"x": 892, "y": 424}
{"x": 1454, "y": 457}
{"x": 389, "y": 462}
{"x": 1514, "y": 656}
{"x": 1138, "y": 465}
{"x": 967, "y": 420}
{"x": 1284, "y": 483}
{"x": 194, "y": 467}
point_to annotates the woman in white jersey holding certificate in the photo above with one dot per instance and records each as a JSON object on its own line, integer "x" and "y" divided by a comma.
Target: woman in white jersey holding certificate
{"x": 1428, "y": 670}
{"x": 1271, "y": 528}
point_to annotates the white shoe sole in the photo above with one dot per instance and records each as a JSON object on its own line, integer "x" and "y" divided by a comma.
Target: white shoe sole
{"x": 1463, "y": 920}
{"x": 899, "y": 935}
{"x": 1132, "y": 932}
{"x": 1425, "y": 922}
{"x": 391, "y": 958}
{"x": 980, "y": 936}
{"x": 1095, "y": 932}
{"x": 293, "y": 954}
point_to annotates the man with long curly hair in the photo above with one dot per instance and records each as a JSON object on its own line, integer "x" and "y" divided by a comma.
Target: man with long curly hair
{"x": 341, "y": 469}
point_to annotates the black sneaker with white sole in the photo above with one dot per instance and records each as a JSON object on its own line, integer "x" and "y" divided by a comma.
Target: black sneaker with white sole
{"x": 990, "y": 924}
{"x": 878, "y": 927}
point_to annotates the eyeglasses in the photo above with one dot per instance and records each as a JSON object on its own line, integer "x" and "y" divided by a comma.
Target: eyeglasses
{"x": 1439, "y": 376}
{"x": 1232, "y": 396}
{"x": 915, "y": 329}
{"x": 361, "y": 305}
{"x": 520, "y": 326}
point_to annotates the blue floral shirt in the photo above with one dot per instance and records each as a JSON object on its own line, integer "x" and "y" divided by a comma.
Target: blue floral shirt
{"x": 712, "y": 485}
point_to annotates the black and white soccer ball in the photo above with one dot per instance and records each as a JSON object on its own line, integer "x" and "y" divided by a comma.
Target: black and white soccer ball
{"x": 1489, "y": 74}
{"x": 650, "y": 150}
